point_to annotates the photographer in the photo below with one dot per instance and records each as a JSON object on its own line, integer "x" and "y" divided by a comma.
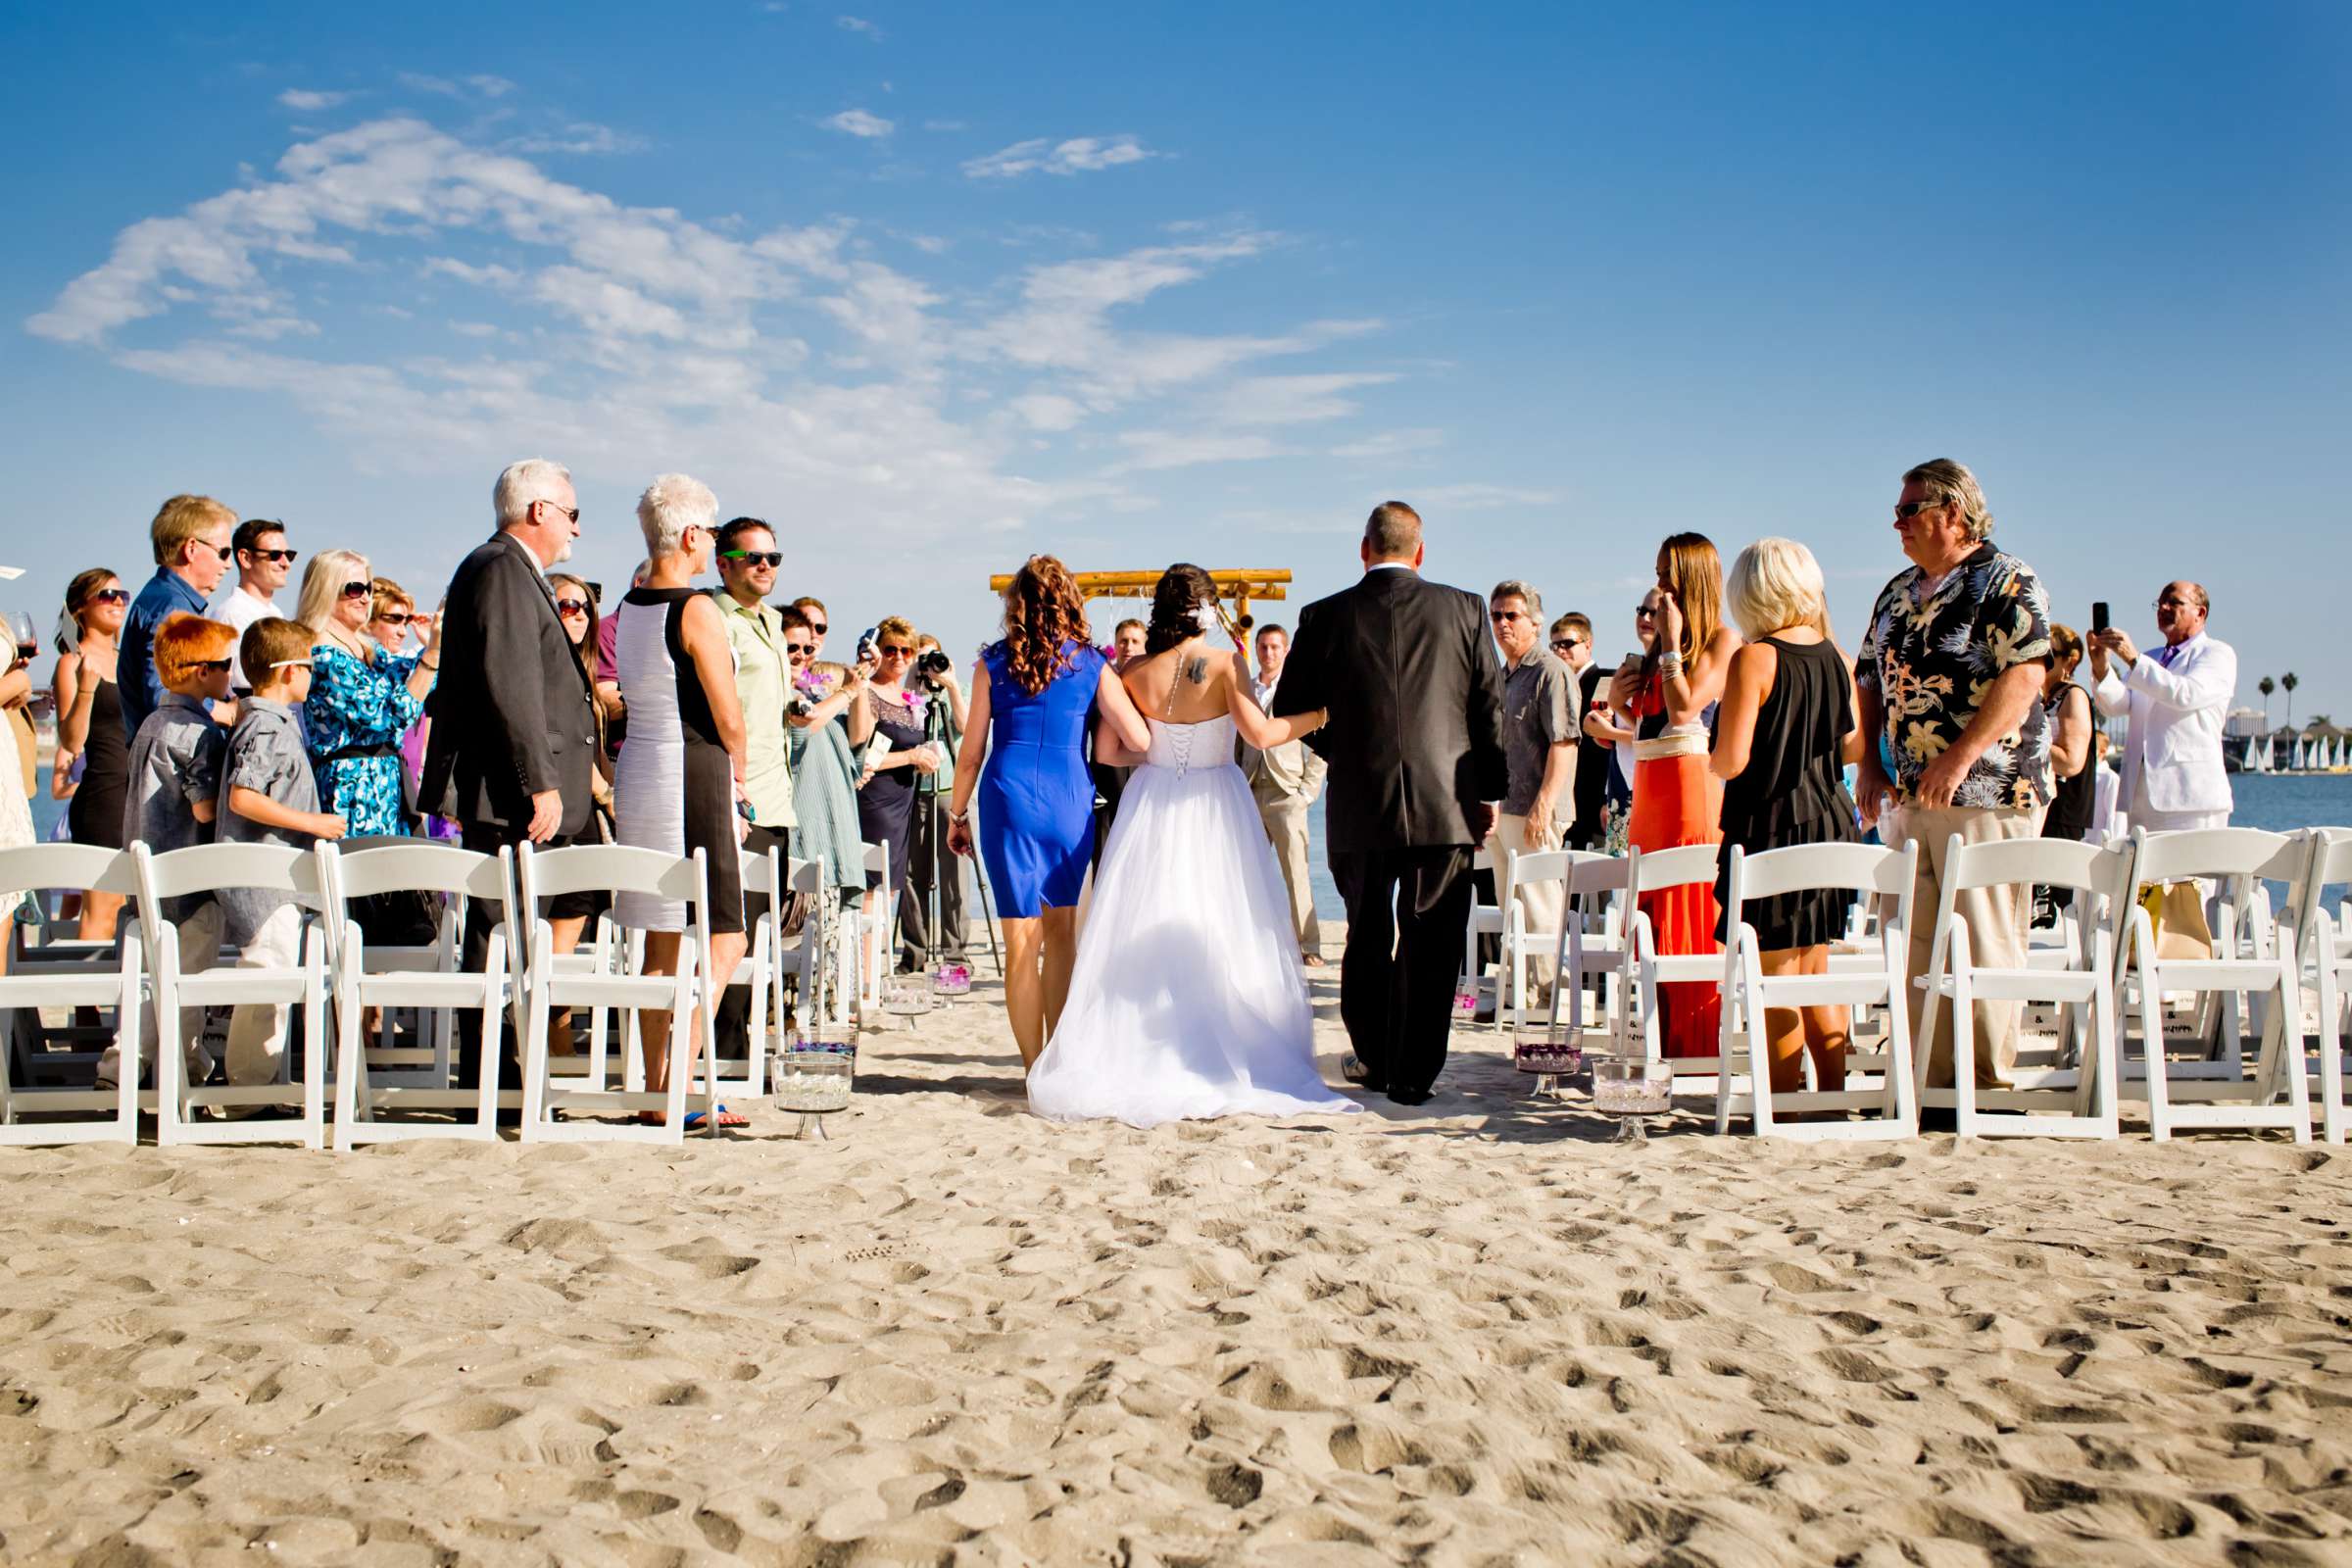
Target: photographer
{"x": 945, "y": 710}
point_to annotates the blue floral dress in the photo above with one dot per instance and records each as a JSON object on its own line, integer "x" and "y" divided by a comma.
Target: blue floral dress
{"x": 356, "y": 714}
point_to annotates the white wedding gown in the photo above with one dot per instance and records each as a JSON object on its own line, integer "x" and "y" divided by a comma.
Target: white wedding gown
{"x": 1187, "y": 998}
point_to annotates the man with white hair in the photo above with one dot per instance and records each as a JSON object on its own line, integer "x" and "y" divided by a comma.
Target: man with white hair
{"x": 513, "y": 737}
{"x": 1951, "y": 671}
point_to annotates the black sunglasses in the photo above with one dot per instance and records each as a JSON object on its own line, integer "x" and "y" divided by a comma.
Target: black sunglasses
{"x": 355, "y": 590}
{"x": 572, "y": 513}
{"x": 393, "y": 618}
{"x": 799, "y": 648}
{"x": 217, "y": 666}
{"x": 1645, "y": 610}
{"x": 572, "y": 606}
{"x": 286, "y": 555}
{"x": 820, "y": 627}
{"x": 111, "y": 596}
{"x": 1564, "y": 645}
{"x": 755, "y": 557}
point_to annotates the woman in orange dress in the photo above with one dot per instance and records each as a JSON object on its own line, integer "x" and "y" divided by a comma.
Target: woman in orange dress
{"x": 1677, "y": 798}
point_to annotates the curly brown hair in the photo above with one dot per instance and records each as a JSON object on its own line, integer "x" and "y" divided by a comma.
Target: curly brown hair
{"x": 1045, "y": 619}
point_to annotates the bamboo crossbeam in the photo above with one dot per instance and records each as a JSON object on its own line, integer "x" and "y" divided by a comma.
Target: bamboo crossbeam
{"x": 1241, "y": 586}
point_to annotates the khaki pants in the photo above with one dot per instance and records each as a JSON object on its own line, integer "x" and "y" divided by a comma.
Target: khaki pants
{"x": 1284, "y": 817}
{"x": 1996, "y": 918}
{"x": 1541, "y": 905}
{"x": 256, "y": 1030}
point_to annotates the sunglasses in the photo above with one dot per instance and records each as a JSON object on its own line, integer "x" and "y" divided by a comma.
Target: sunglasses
{"x": 291, "y": 663}
{"x": 572, "y": 606}
{"x": 227, "y": 550}
{"x": 1904, "y": 510}
{"x": 1640, "y": 610}
{"x": 897, "y": 650}
{"x": 570, "y": 512}
{"x": 799, "y": 648}
{"x": 1507, "y": 614}
{"x": 820, "y": 627}
{"x": 286, "y": 555}
{"x": 755, "y": 557}
{"x": 355, "y": 590}
{"x": 111, "y": 596}
{"x": 393, "y": 618}
{"x": 1566, "y": 645}
{"x": 215, "y": 666}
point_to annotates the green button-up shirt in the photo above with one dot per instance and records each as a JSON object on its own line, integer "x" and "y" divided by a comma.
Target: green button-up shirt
{"x": 762, "y": 681}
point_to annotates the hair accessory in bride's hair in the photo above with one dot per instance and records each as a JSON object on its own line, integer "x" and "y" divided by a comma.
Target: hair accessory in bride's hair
{"x": 1204, "y": 617}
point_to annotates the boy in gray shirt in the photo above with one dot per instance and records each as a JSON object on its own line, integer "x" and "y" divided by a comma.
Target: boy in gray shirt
{"x": 270, "y": 796}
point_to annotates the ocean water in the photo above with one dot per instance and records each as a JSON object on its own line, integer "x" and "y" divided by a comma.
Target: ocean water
{"x": 2279, "y": 803}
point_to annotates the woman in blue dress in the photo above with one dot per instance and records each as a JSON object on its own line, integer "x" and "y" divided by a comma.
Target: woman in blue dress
{"x": 363, "y": 696}
{"x": 1033, "y": 694}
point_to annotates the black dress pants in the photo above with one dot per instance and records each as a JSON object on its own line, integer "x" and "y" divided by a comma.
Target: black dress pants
{"x": 488, "y": 838}
{"x": 1407, "y": 910}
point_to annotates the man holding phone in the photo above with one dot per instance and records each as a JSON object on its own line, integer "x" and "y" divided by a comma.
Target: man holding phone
{"x": 2177, "y": 700}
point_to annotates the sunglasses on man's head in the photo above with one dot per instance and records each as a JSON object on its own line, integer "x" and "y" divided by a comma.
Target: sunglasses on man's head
{"x": 355, "y": 590}
{"x": 286, "y": 555}
{"x": 572, "y": 606}
{"x": 755, "y": 557}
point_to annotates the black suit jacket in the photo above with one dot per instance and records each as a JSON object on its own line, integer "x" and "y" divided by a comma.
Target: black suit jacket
{"x": 513, "y": 711}
{"x": 1415, "y": 687}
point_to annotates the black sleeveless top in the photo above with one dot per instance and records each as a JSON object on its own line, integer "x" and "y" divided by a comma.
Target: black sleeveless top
{"x": 1794, "y": 773}
{"x": 2069, "y": 816}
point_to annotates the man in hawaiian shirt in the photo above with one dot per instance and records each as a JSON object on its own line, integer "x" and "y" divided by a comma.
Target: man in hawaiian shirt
{"x": 1950, "y": 674}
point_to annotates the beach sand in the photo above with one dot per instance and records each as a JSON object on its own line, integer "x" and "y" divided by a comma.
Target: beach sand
{"x": 1472, "y": 1333}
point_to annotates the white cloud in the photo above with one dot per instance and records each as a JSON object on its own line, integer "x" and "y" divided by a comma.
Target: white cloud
{"x": 858, "y": 25}
{"x": 777, "y": 362}
{"x": 1479, "y": 497}
{"x": 1391, "y": 444}
{"x": 311, "y": 102}
{"x": 1176, "y": 449}
{"x": 858, "y": 122}
{"x": 483, "y": 87}
{"x": 1078, "y": 155}
{"x": 580, "y": 137}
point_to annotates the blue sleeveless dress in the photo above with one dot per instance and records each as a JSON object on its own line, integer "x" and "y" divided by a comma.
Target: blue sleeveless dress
{"x": 1036, "y": 801}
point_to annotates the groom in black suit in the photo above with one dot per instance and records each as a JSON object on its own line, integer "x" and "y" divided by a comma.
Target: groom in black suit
{"x": 1414, "y": 688}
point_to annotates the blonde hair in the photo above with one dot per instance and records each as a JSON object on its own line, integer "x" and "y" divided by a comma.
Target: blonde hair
{"x": 184, "y": 519}
{"x": 1946, "y": 482}
{"x": 894, "y": 626}
{"x": 383, "y": 593}
{"x": 322, "y": 583}
{"x": 1776, "y": 583}
{"x": 267, "y": 643}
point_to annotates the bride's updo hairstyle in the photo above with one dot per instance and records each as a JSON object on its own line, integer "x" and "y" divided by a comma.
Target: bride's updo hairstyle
{"x": 1045, "y": 617}
{"x": 1176, "y": 604}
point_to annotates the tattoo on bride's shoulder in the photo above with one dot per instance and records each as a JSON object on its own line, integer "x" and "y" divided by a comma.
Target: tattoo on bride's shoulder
{"x": 1195, "y": 670}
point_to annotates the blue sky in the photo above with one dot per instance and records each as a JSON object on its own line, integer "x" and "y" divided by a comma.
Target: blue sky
{"x": 933, "y": 287}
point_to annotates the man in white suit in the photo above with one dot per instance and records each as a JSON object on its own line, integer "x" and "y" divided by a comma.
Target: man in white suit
{"x": 1286, "y": 781}
{"x": 2177, "y": 698}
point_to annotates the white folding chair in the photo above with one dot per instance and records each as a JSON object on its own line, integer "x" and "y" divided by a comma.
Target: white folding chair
{"x": 874, "y": 947}
{"x": 92, "y": 975}
{"x": 1486, "y": 920}
{"x": 1872, "y": 873}
{"x": 1592, "y": 942}
{"x": 430, "y": 979}
{"x": 2065, "y": 1097}
{"x": 211, "y": 868}
{"x": 2247, "y": 961}
{"x": 2319, "y": 939}
{"x": 1521, "y": 943}
{"x": 617, "y": 868}
{"x": 1647, "y": 969}
{"x": 757, "y": 973}
{"x": 805, "y": 957}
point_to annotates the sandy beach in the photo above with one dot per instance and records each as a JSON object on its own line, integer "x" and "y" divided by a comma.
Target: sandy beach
{"x": 1470, "y": 1333}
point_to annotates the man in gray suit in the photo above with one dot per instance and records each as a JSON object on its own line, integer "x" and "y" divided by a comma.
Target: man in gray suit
{"x": 513, "y": 737}
{"x": 1286, "y": 781}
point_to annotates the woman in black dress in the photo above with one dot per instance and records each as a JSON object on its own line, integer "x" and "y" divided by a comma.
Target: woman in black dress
{"x": 89, "y": 726}
{"x": 886, "y": 784}
{"x": 1782, "y": 738}
{"x": 2071, "y": 734}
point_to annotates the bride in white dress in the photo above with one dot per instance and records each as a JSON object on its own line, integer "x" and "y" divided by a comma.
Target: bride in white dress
{"x": 1187, "y": 998}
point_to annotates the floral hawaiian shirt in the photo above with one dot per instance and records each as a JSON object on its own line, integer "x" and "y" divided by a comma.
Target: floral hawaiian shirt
{"x": 1932, "y": 660}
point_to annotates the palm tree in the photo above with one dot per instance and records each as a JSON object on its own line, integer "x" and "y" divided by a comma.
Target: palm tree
{"x": 2289, "y": 682}
{"x": 2265, "y": 686}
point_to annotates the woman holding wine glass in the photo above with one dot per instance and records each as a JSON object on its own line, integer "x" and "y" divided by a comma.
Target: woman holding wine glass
{"x": 89, "y": 726}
